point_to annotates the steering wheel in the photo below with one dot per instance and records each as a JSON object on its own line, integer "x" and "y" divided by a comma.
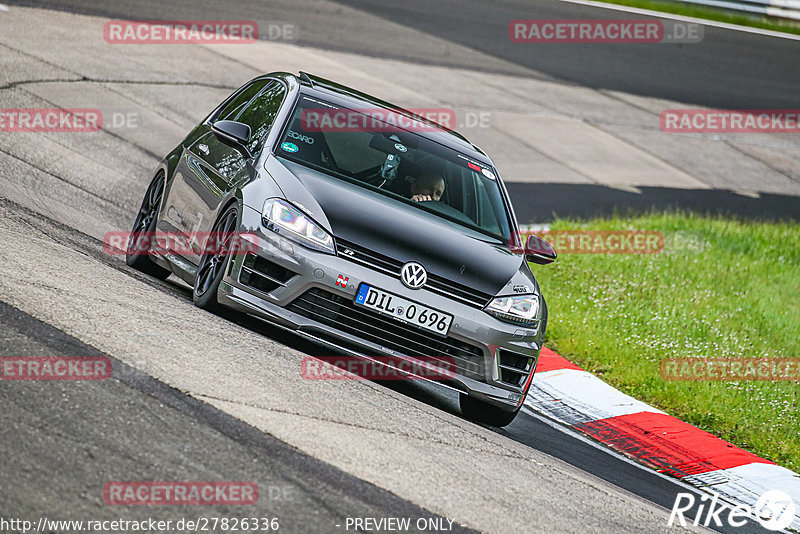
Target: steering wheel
{"x": 372, "y": 176}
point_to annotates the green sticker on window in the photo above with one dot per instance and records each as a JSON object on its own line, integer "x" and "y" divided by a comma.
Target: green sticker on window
{"x": 289, "y": 147}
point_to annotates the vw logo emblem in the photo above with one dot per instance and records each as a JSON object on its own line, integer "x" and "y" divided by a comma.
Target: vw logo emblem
{"x": 413, "y": 275}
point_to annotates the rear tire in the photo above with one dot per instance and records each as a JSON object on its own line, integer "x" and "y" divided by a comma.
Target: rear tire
{"x": 137, "y": 254}
{"x": 213, "y": 264}
{"x": 482, "y": 412}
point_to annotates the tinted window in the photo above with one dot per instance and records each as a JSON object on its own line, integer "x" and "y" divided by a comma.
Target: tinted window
{"x": 371, "y": 149}
{"x": 353, "y": 152}
{"x": 260, "y": 114}
{"x": 239, "y": 101}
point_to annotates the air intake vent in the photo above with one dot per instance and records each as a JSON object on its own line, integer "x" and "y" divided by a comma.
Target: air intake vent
{"x": 263, "y": 275}
{"x": 514, "y": 368}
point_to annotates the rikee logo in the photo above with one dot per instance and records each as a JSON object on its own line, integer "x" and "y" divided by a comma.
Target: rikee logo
{"x": 774, "y": 510}
{"x": 413, "y": 275}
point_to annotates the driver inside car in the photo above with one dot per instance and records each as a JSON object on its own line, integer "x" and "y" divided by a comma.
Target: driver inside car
{"x": 428, "y": 187}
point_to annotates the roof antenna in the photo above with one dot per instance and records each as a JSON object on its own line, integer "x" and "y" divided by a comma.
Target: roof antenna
{"x": 306, "y": 78}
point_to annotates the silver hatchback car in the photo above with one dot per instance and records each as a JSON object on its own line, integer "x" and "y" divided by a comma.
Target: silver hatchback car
{"x": 370, "y": 230}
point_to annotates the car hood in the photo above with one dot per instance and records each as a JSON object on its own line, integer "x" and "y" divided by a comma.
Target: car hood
{"x": 404, "y": 233}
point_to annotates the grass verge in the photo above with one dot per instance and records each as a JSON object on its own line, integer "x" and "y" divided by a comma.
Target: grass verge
{"x": 721, "y": 288}
{"x": 710, "y": 13}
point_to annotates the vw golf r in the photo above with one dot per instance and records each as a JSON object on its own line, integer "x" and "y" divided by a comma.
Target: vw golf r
{"x": 394, "y": 237}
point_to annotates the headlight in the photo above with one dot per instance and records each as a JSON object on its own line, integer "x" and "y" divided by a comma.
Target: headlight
{"x": 519, "y": 309}
{"x": 283, "y": 218}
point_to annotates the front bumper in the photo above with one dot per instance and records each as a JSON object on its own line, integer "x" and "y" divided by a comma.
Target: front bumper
{"x": 483, "y": 345}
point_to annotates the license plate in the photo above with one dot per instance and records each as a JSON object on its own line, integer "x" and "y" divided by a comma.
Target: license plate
{"x": 403, "y": 310}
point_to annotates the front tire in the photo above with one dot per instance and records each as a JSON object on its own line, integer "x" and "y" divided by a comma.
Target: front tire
{"x": 137, "y": 254}
{"x": 482, "y": 412}
{"x": 214, "y": 262}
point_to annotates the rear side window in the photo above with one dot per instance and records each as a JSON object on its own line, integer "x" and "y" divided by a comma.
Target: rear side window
{"x": 239, "y": 101}
{"x": 261, "y": 112}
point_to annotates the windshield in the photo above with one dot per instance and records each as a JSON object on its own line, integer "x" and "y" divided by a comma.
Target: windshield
{"x": 375, "y": 149}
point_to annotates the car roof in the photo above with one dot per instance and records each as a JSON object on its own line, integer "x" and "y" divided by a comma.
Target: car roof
{"x": 338, "y": 94}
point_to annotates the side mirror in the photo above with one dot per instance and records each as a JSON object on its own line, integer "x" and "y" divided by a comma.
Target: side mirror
{"x": 537, "y": 250}
{"x": 234, "y": 134}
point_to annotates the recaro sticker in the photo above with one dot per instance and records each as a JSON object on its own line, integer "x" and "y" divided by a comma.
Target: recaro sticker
{"x": 300, "y": 137}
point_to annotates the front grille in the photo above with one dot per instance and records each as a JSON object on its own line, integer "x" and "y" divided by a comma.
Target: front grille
{"x": 340, "y": 313}
{"x": 514, "y": 367}
{"x": 367, "y": 257}
{"x": 263, "y": 275}
{"x": 391, "y": 266}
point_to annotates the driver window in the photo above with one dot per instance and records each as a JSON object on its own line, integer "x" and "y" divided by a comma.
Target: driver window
{"x": 240, "y": 100}
{"x": 261, "y": 112}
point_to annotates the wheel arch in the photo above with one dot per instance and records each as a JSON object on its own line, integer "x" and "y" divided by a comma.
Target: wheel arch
{"x": 234, "y": 198}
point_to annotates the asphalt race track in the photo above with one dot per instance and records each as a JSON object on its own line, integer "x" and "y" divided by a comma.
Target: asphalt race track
{"x": 196, "y": 396}
{"x": 142, "y": 421}
{"x": 727, "y": 70}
